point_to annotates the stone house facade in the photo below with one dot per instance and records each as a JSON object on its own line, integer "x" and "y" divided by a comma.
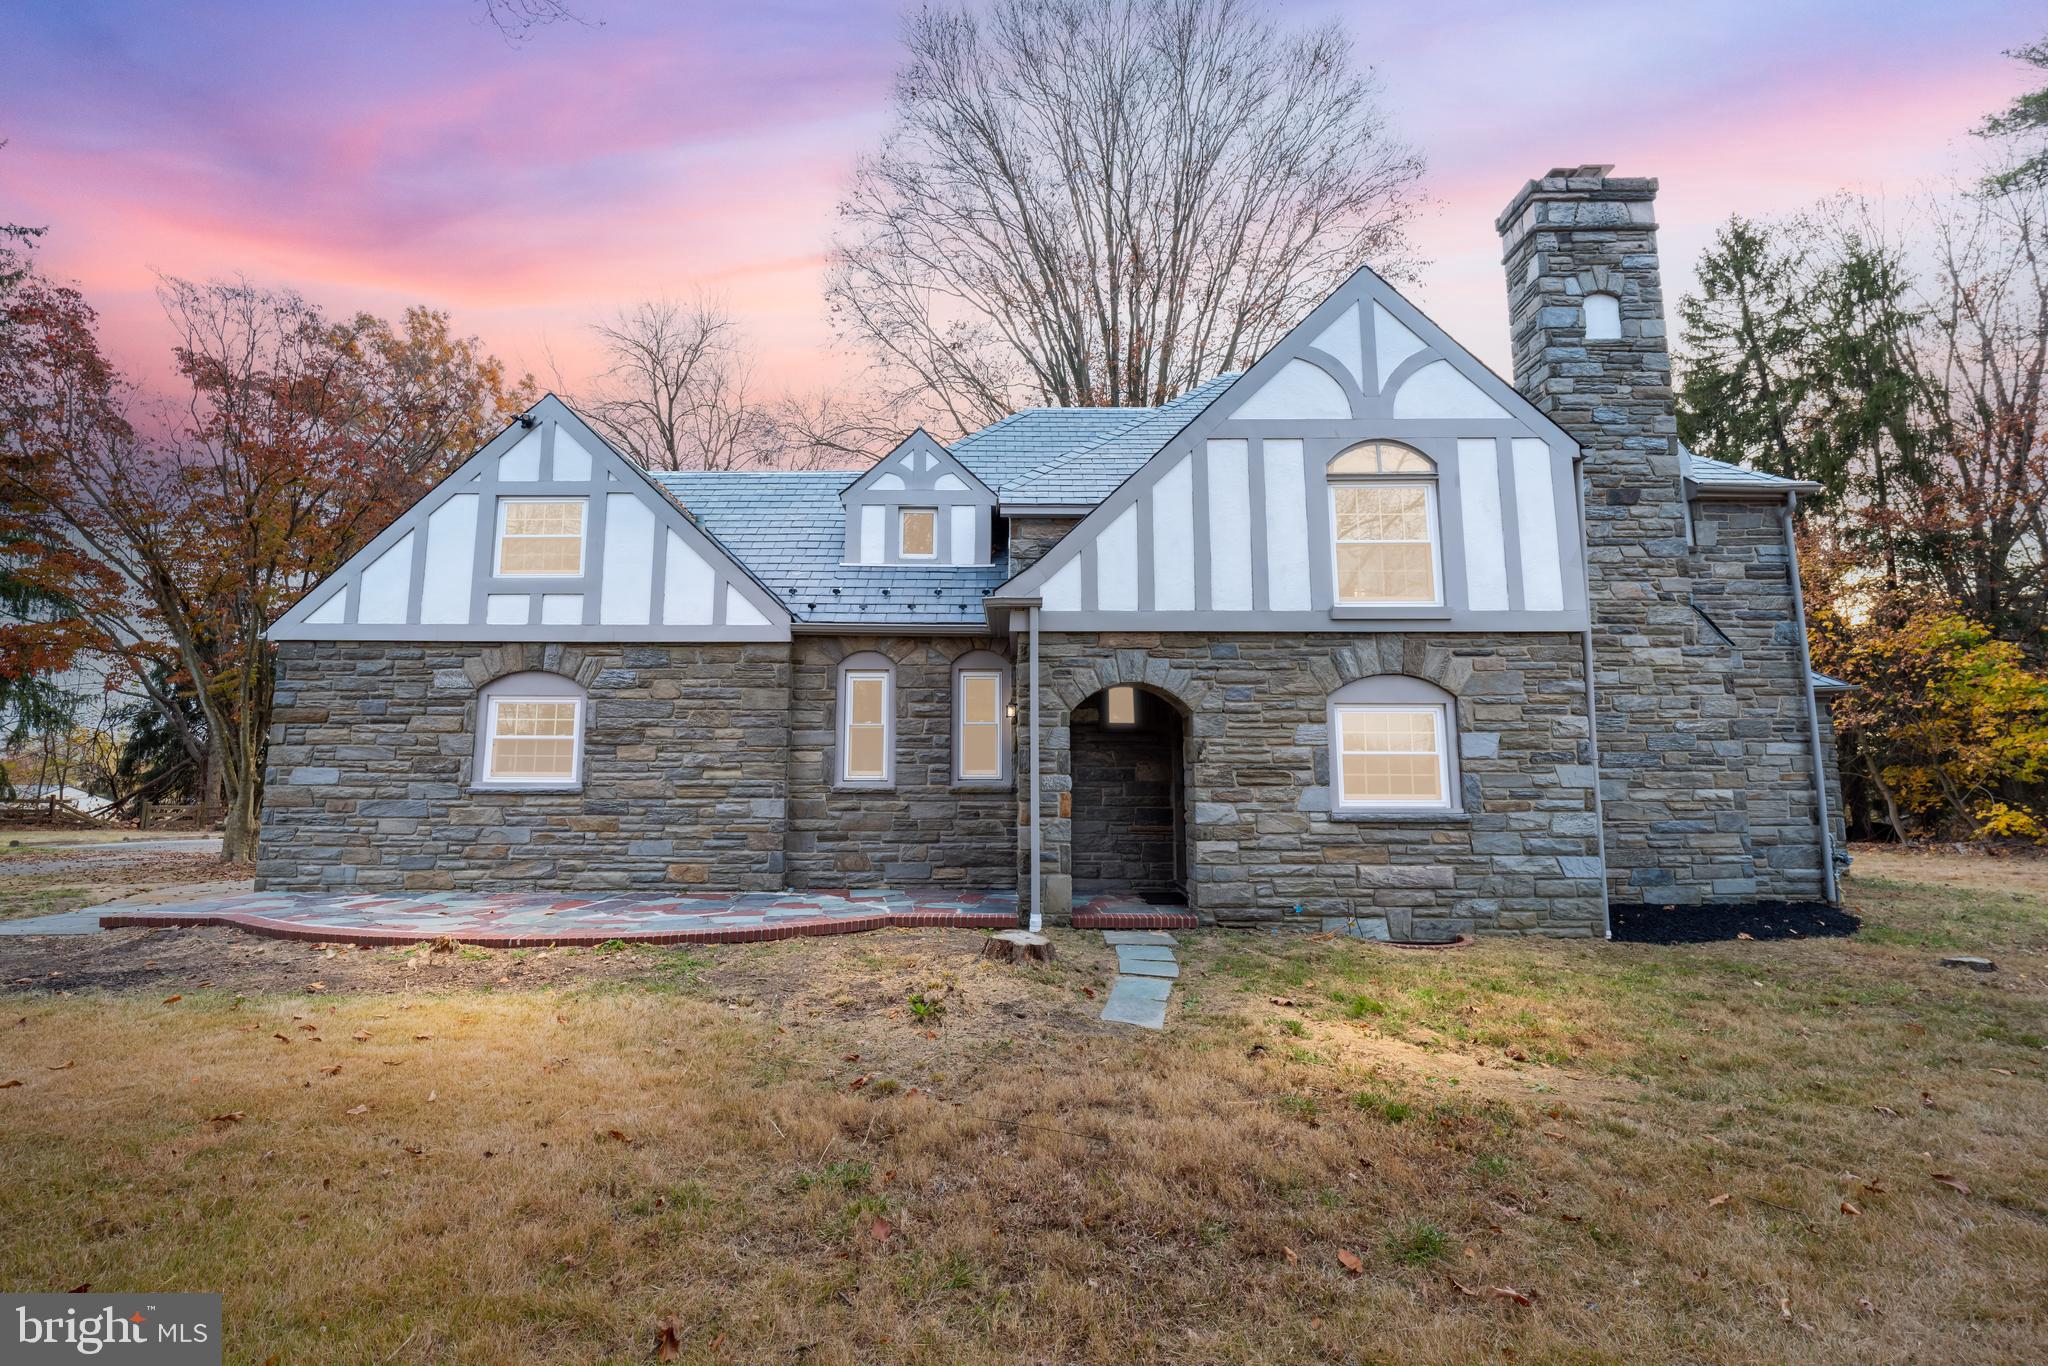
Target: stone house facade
{"x": 1362, "y": 630}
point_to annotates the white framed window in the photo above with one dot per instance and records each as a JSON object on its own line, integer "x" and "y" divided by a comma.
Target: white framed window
{"x": 540, "y": 537}
{"x": 1120, "y": 706}
{"x": 530, "y": 732}
{"x": 978, "y": 703}
{"x": 1603, "y": 317}
{"x": 917, "y": 533}
{"x": 1391, "y": 755}
{"x": 867, "y": 721}
{"x": 1383, "y": 527}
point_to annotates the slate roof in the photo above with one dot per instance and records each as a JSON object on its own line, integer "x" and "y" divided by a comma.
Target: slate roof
{"x": 1092, "y": 473}
{"x": 1005, "y": 451}
{"x": 788, "y": 527}
{"x": 1719, "y": 474}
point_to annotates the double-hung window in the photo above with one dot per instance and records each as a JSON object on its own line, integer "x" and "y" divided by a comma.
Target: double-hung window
{"x": 1383, "y": 518}
{"x": 530, "y": 732}
{"x": 540, "y": 537}
{"x": 1392, "y": 755}
{"x": 979, "y": 706}
{"x": 865, "y": 723}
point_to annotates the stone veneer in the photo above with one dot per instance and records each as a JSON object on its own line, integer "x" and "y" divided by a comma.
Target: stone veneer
{"x": 1523, "y": 855}
{"x": 685, "y": 771}
{"x": 925, "y": 829}
{"x": 1126, "y": 832}
{"x": 1031, "y": 537}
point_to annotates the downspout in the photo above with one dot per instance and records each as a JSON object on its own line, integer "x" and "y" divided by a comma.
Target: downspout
{"x": 1592, "y": 713}
{"x": 1820, "y": 766}
{"x": 1037, "y": 876}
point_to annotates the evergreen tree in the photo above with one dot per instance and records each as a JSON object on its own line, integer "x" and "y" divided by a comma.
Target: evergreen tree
{"x": 2024, "y": 120}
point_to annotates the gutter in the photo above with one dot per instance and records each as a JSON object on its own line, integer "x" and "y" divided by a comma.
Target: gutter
{"x": 1037, "y": 877}
{"x": 1592, "y": 700}
{"x": 1820, "y": 770}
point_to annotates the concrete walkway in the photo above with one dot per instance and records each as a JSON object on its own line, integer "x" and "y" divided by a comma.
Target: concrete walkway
{"x": 1146, "y": 971}
{"x": 539, "y": 920}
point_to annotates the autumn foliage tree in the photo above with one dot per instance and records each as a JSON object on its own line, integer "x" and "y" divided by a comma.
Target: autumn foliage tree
{"x": 179, "y": 538}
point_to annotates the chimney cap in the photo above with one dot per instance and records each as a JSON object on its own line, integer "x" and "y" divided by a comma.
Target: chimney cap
{"x": 1589, "y": 171}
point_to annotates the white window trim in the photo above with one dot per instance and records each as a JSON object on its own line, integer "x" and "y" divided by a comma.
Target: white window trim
{"x": 498, "y": 569}
{"x": 1436, "y": 537}
{"x": 960, "y": 773}
{"x": 887, "y": 777}
{"x": 485, "y": 778}
{"x": 1346, "y": 802}
{"x": 902, "y": 515}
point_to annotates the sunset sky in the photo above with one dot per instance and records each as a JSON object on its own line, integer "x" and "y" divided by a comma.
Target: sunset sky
{"x": 386, "y": 152}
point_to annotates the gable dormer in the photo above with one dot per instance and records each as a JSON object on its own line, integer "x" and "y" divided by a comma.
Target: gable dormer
{"x": 1366, "y": 474}
{"x": 545, "y": 534}
{"x": 919, "y": 506}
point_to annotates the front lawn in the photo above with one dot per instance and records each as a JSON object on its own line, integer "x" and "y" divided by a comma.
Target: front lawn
{"x": 1826, "y": 1150}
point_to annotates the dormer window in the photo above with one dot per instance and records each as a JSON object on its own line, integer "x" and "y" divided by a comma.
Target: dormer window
{"x": 1603, "y": 317}
{"x": 918, "y": 532}
{"x": 1383, "y": 519}
{"x": 540, "y": 537}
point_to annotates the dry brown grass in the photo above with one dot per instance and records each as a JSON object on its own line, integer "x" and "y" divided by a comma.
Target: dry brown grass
{"x": 549, "y": 1173}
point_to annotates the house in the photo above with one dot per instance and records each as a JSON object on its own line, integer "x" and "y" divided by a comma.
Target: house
{"x": 1327, "y": 636}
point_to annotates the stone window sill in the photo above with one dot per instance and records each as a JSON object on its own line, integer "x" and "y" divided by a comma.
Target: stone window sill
{"x": 525, "y": 789}
{"x": 1402, "y": 817}
{"x": 863, "y": 787}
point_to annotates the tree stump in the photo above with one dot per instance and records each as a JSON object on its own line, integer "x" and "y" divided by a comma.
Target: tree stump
{"x": 1017, "y": 946}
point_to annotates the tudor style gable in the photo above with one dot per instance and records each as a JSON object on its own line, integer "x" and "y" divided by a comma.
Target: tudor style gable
{"x": 1367, "y": 472}
{"x": 545, "y": 534}
{"x": 918, "y": 505}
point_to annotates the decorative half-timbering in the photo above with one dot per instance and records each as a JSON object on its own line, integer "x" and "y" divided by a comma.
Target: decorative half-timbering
{"x": 918, "y": 506}
{"x": 546, "y": 533}
{"x": 1366, "y": 470}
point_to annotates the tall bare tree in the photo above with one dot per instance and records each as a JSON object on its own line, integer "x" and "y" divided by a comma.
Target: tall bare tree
{"x": 1106, "y": 201}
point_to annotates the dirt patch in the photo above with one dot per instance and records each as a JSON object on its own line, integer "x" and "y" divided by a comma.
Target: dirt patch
{"x": 1635, "y": 923}
{"x": 44, "y": 880}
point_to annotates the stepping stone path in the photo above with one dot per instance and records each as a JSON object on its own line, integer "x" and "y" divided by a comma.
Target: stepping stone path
{"x": 1146, "y": 972}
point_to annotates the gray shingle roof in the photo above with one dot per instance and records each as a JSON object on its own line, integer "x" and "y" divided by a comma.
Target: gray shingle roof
{"x": 1092, "y": 473}
{"x": 788, "y": 527}
{"x": 1719, "y": 474}
{"x": 1010, "y": 449}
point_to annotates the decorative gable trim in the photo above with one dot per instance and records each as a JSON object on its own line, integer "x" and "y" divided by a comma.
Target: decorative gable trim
{"x": 647, "y": 571}
{"x": 919, "y": 473}
{"x": 1227, "y": 526}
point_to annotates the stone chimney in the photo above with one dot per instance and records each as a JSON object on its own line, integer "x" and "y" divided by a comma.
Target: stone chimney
{"x": 1586, "y": 305}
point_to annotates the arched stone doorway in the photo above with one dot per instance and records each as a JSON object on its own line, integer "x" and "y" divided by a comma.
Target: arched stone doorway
{"x": 1129, "y": 758}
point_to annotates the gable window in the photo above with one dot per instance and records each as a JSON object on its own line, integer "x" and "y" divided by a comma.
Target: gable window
{"x": 1391, "y": 742}
{"x": 1383, "y": 519}
{"x": 531, "y": 732}
{"x": 540, "y": 537}
{"x": 919, "y": 532}
{"x": 1603, "y": 317}
{"x": 981, "y": 728}
{"x": 867, "y": 721}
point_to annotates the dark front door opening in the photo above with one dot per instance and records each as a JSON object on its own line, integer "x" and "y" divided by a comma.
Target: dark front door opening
{"x": 1129, "y": 826}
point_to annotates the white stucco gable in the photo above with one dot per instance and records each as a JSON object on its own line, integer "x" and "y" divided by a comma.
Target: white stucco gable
{"x": 633, "y": 565}
{"x": 1231, "y": 525}
{"x": 923, "y": 476}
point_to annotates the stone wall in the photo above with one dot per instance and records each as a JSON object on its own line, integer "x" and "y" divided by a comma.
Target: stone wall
{"x": 1126, "y": 791}
{"x": 1031, "y": 537}
{"x": 1523, "y": 855}
{"x": 925, "y": 830}
{"x": 685, "y": 771}
{"x": 1671, "y": 785}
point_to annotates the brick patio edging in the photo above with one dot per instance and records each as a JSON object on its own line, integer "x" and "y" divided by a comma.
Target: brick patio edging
{"x": 1135, "y": 920}
{"x": 733, "y": 934}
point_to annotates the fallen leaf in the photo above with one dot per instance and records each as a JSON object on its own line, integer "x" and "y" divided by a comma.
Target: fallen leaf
{"x": 1867, "y": 1307}
{"x": 279, "y": 1037}
{"x": 361, "y": 1036}
{"x": 63, "y": 1066}
{"x": 858, "y": 1082}
{"x": 81, "y": 1288}
{"x": 621, "y": 1137}
{"x": 1463, "y": 1289}
{"x": 1290, "y": 1255}
{"x": 880, "y": 1229}
{"x": 1887, "y": 1111}
{"x": 1351, "y": 1261}
{"x": 1744, "y": 934}
{"x": 1506, "y": 1292}
{"x": 316, "y": 986}
{"x": 1944, "y": 1179}
{"x": 357, "y": 1110}
{"x": 668, "y": 1343}
{"x": 418, "y": 1037}
{"x": 851, "y": 1057}
{"x": 173, "y": 1000}
{"x": 1849, "y": 1208}
{"x": 10, "y": 1083}
{"x": 232, "y": 1117}
{"x": 1721, "y": 1199}
{"x": 1875, "y": 1187}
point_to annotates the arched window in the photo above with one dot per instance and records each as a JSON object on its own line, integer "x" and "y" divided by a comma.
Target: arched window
{"x": 1393, "y": 746}
{"x": 867, "y": 721}
{"x": 981, "y": 718}
{"x": 530, "y": 732}
{"x": 1603, "y": 317}
{"x": 1383, "y": 521}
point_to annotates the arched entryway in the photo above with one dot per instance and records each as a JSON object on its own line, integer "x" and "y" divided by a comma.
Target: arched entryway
{"x": 1129, "y": 832}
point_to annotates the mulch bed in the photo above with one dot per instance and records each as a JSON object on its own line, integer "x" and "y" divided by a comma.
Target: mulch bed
{"x": 1639, "y": 923}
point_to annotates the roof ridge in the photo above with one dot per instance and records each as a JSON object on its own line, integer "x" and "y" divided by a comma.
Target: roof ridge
{"x": 1218, "y": 382}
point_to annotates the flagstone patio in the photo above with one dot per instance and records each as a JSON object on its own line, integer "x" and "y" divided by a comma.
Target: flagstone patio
{"x": 548, "y": 919}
